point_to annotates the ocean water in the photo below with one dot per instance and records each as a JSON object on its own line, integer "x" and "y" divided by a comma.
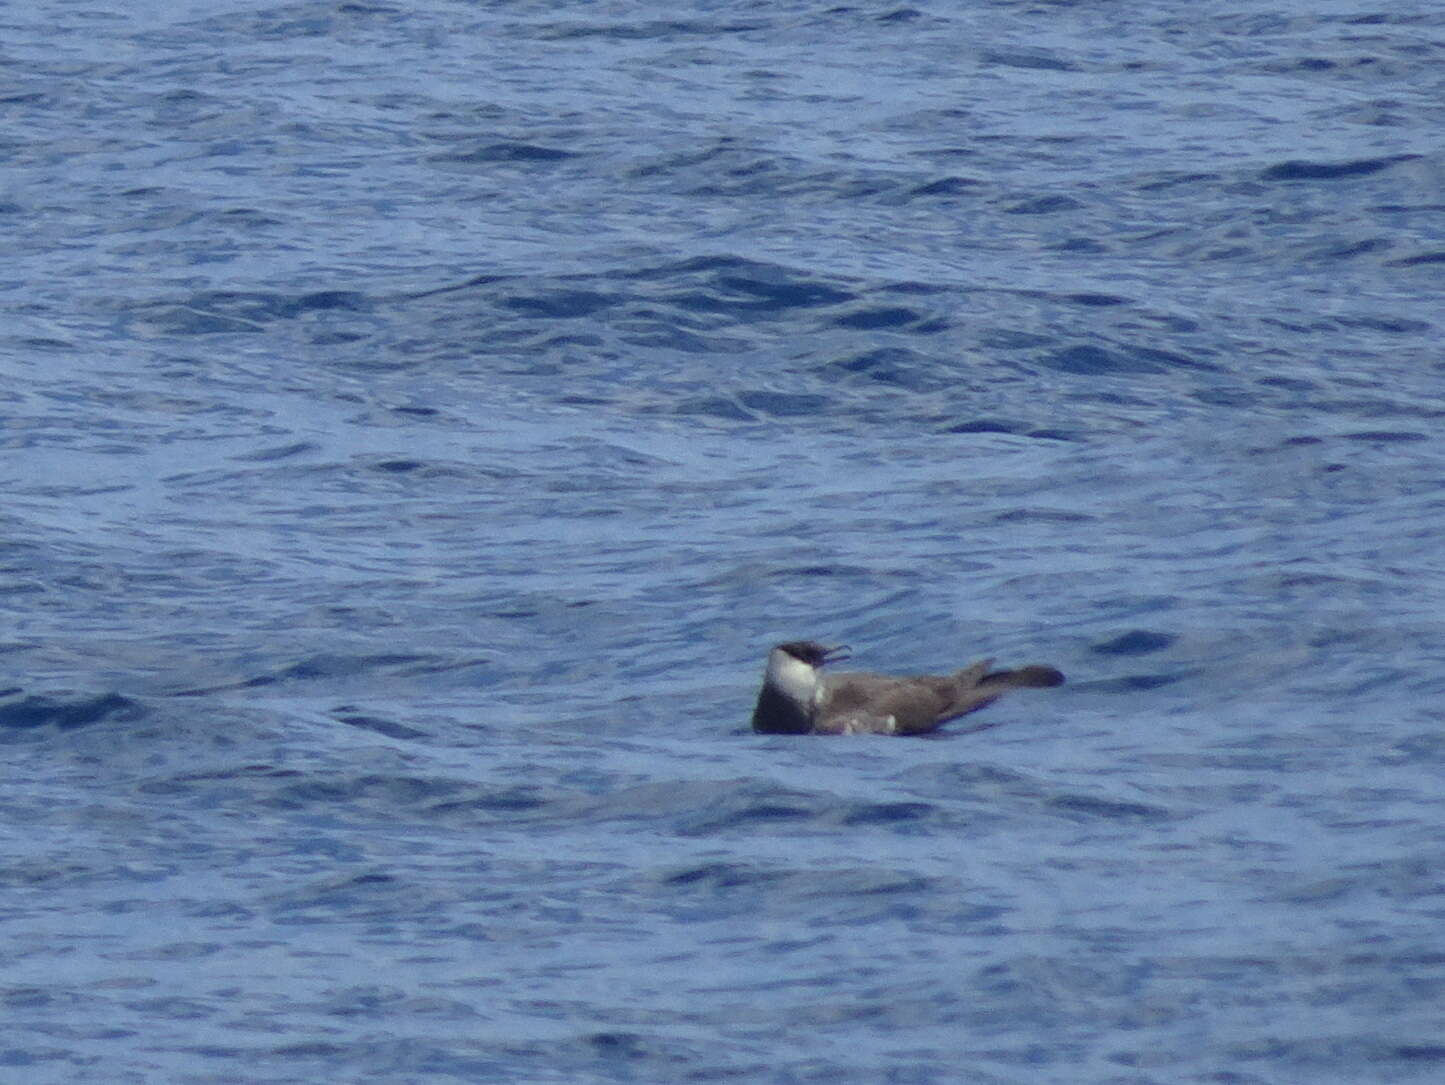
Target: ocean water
{"x": 419, "y": 419}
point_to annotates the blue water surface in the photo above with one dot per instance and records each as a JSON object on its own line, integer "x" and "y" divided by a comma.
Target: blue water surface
{"x": 419, "y": 419}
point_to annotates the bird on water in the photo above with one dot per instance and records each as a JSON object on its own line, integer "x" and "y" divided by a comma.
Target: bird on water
{"x": 798, "y": 698}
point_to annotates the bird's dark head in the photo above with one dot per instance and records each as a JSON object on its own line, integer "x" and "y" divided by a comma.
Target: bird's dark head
{"x": 814, "y": 654}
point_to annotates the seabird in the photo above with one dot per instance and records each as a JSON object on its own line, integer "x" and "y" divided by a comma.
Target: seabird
{"x": 797, "y": 698}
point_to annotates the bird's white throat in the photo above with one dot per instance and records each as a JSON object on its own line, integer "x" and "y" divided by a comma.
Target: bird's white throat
{"x": 790, "y": 676}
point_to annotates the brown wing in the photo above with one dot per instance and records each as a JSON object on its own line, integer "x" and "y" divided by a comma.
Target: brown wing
{"x": 880, "y": 704}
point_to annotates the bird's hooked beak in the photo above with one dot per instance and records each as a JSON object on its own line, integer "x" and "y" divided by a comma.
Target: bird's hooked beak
{"x": 836, "y": 654}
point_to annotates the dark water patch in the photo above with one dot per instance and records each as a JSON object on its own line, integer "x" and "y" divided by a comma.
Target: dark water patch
{"x": 947, "y": 186}
{"x": 673, "y": 306}
{"x": 1306, "y": 170}
{"x": 229, "y": 311}
{"x": 760, "y": 290}
{"x": 1052, "y": 434}
{"x": 249, "y": 218}
{"x": 1170, "y": 180}
{"x": 726, "y": 153}
{"x": 749, "y": 814}
{"x": 1051, "y": 990}
{"x": 846, "y": 571}
{"x": 507, "y": 152}
{"x": 626, "y": 1045}
{"x": 1031, "y": 60}
{"x": 1013, "y": 429}
{"x": 295, "y": 23}
{"x": 1357, "y": 67}
{"x": 1393, "y": 18}
{"x": 1415, "y": 878}
{"x": 1044, "y": 205}
{"x": 1080, "y": 246}
{"x": 326, "y": 668}
{"x": 280, "y": 452}
{"x": 1287, "y": 581}
{"x": 560, "y": 304}
{"x": 882, "y": 1008}
{"x": 1094, "y": 360}
{"x": 1385, "y": 323}
{"x": 372, "y": 791}
{"x": 896, "y": 317}
{"x": 1091, "y": 361}
{"x": 720, "y": 876}
{"x": 1423, "y": 1052}
{"x": 506, "y": 802}
{"x": 1233, "y": 398}
{"x": 523, "y": 606}
{"x": 1385, "y": 436}
{"x": 322, "y": 300}
{"x": 628, "y": 1052}
{"x": 987, "y": 425}
{"x": 1173, "y": 359}
{"x": 51, "y": 874}
{"x": 378, "y": 724}
{"x": 241, "y": 772}
{"x": 1290, "y": 384}
{"x": 1132, "y": 683}
{"x": 914, "y": 289}
{"x": 703, "y": 808}
{"x": 1042, "y": 516}
{"x": 974, "y": 799}
{"x": 659, "y": 30}
{"x": 896, "y": 366}
{"x": 66, "y": 714}
{"x": 243, "y": 782}
{"x": 40, "y": 342}
{"x": 397, "y": 467}
{"x": 466, "y": 285}
{"x": 783, "y": 404}
{"x": 1425, "y": 747}
{"x": 1088, "y": 360}
{"x": 1347, "y": 250}
{"x": 1095, "y": 301}
{"x": 886, "y": 813}
{"x": 187, "y": 950}
{"x": 367, "y": 1001}
{"x": 175, "y": 1009}
{"x": 364, "y": 896}
{"x": 1133, "y": 643}
{"x": 748, "y": 173}
{"x": 1092, "y": 806}
{"x": 900, "y": 15}
{"x": 1372, "y": 1057}
{"x": 1420, "y": 259}
{"x": 844, "y": 895}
